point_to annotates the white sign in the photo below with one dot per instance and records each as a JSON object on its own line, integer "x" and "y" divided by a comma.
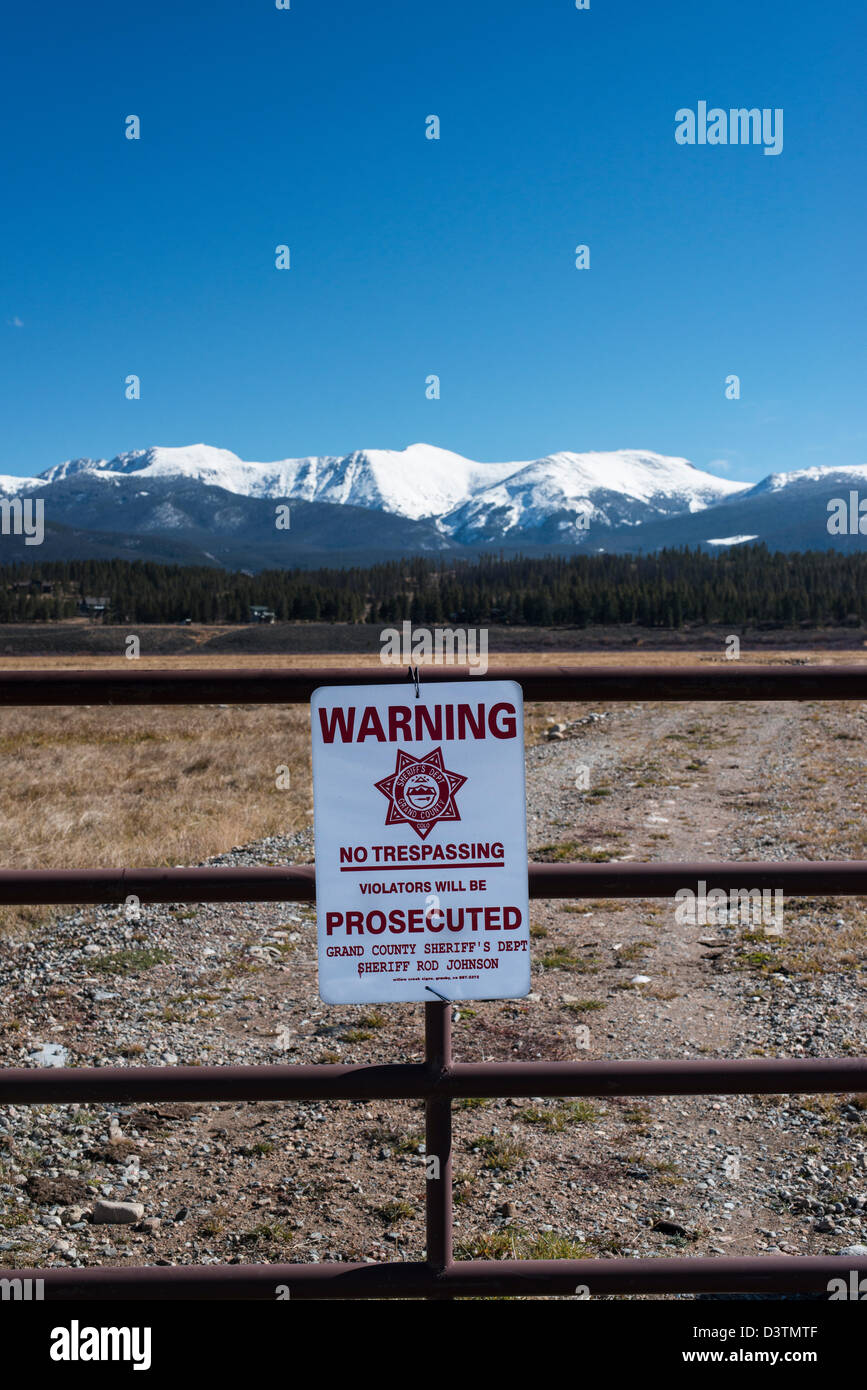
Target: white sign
{"x": 421, "y": 842}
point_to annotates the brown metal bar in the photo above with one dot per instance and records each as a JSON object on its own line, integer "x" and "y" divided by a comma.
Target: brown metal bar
{"x": 292, "y": 883}
{"x": 416, "y": 1081}
{"x": 438, "y": 1135}
{"x": 463, "y": 1279}
{"x": 795, "y": 878}
{"x": 723, "y": 681}
{"x": 297, "y": 882}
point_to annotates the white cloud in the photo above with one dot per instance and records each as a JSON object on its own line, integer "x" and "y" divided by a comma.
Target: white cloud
{"x": 15, "y": 322}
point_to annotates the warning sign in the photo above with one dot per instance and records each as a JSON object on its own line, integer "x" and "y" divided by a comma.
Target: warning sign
{"x": 421, "y": 842}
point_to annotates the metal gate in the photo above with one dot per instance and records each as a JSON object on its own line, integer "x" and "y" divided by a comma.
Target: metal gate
{"x": 438, "y": 1079}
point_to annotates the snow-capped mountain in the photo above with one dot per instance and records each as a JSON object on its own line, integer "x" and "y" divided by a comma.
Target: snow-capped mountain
{"x": 424, "y": 481}
{"x": 565, "y": 495}
{"x": 802, "y": 478}
{"x": 787, "y": 511}
{"x": 201, "y": 501}
{"x": 420, "y": 481}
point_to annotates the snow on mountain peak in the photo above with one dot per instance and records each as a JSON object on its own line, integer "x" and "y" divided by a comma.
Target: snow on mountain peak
{"x": 466, "y": 499}
{"x": 549, "y": 501}
{"x": 775, "y": 482}
{"x": 419, "y": 481}
{"x": 463, "y": 496}
{"x": 642, "y": 475}
{"x": 567, "y": 490}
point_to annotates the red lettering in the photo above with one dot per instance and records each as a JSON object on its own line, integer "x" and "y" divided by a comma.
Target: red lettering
{"x": 371, "y": 725}
{"x": 434, "y": 726}
{"x": 344, "y": 718}
{"x": 507, "y": 727}
{"x": 465, "y": 717}
{"x": 398, "y": 717}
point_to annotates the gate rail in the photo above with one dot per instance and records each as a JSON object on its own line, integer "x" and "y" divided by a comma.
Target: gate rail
{"x": 439, "y": 1079}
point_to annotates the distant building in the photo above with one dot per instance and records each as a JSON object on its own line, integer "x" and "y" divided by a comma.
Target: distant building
{"x": 94, "y": 607}
{"x": 259, "y": 614}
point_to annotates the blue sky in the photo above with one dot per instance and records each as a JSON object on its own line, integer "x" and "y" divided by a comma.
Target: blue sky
{"x": 412, "y": 257}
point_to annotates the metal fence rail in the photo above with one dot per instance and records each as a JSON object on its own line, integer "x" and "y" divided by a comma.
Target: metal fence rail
{"x": 768, "y": 1274}
{"x": 425, "y": 1080}
{"x": 295, "y": 685}
{"x": 439, "y": 1079}
{"x": 297, "y": 882}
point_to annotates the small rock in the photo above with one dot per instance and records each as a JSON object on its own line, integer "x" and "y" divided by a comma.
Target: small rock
{"x": 49, "y": 1055}
{"x": 116, "y": 1213}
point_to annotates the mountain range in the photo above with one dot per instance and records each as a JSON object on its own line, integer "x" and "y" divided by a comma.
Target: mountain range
{"x": 203, "y": 505}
